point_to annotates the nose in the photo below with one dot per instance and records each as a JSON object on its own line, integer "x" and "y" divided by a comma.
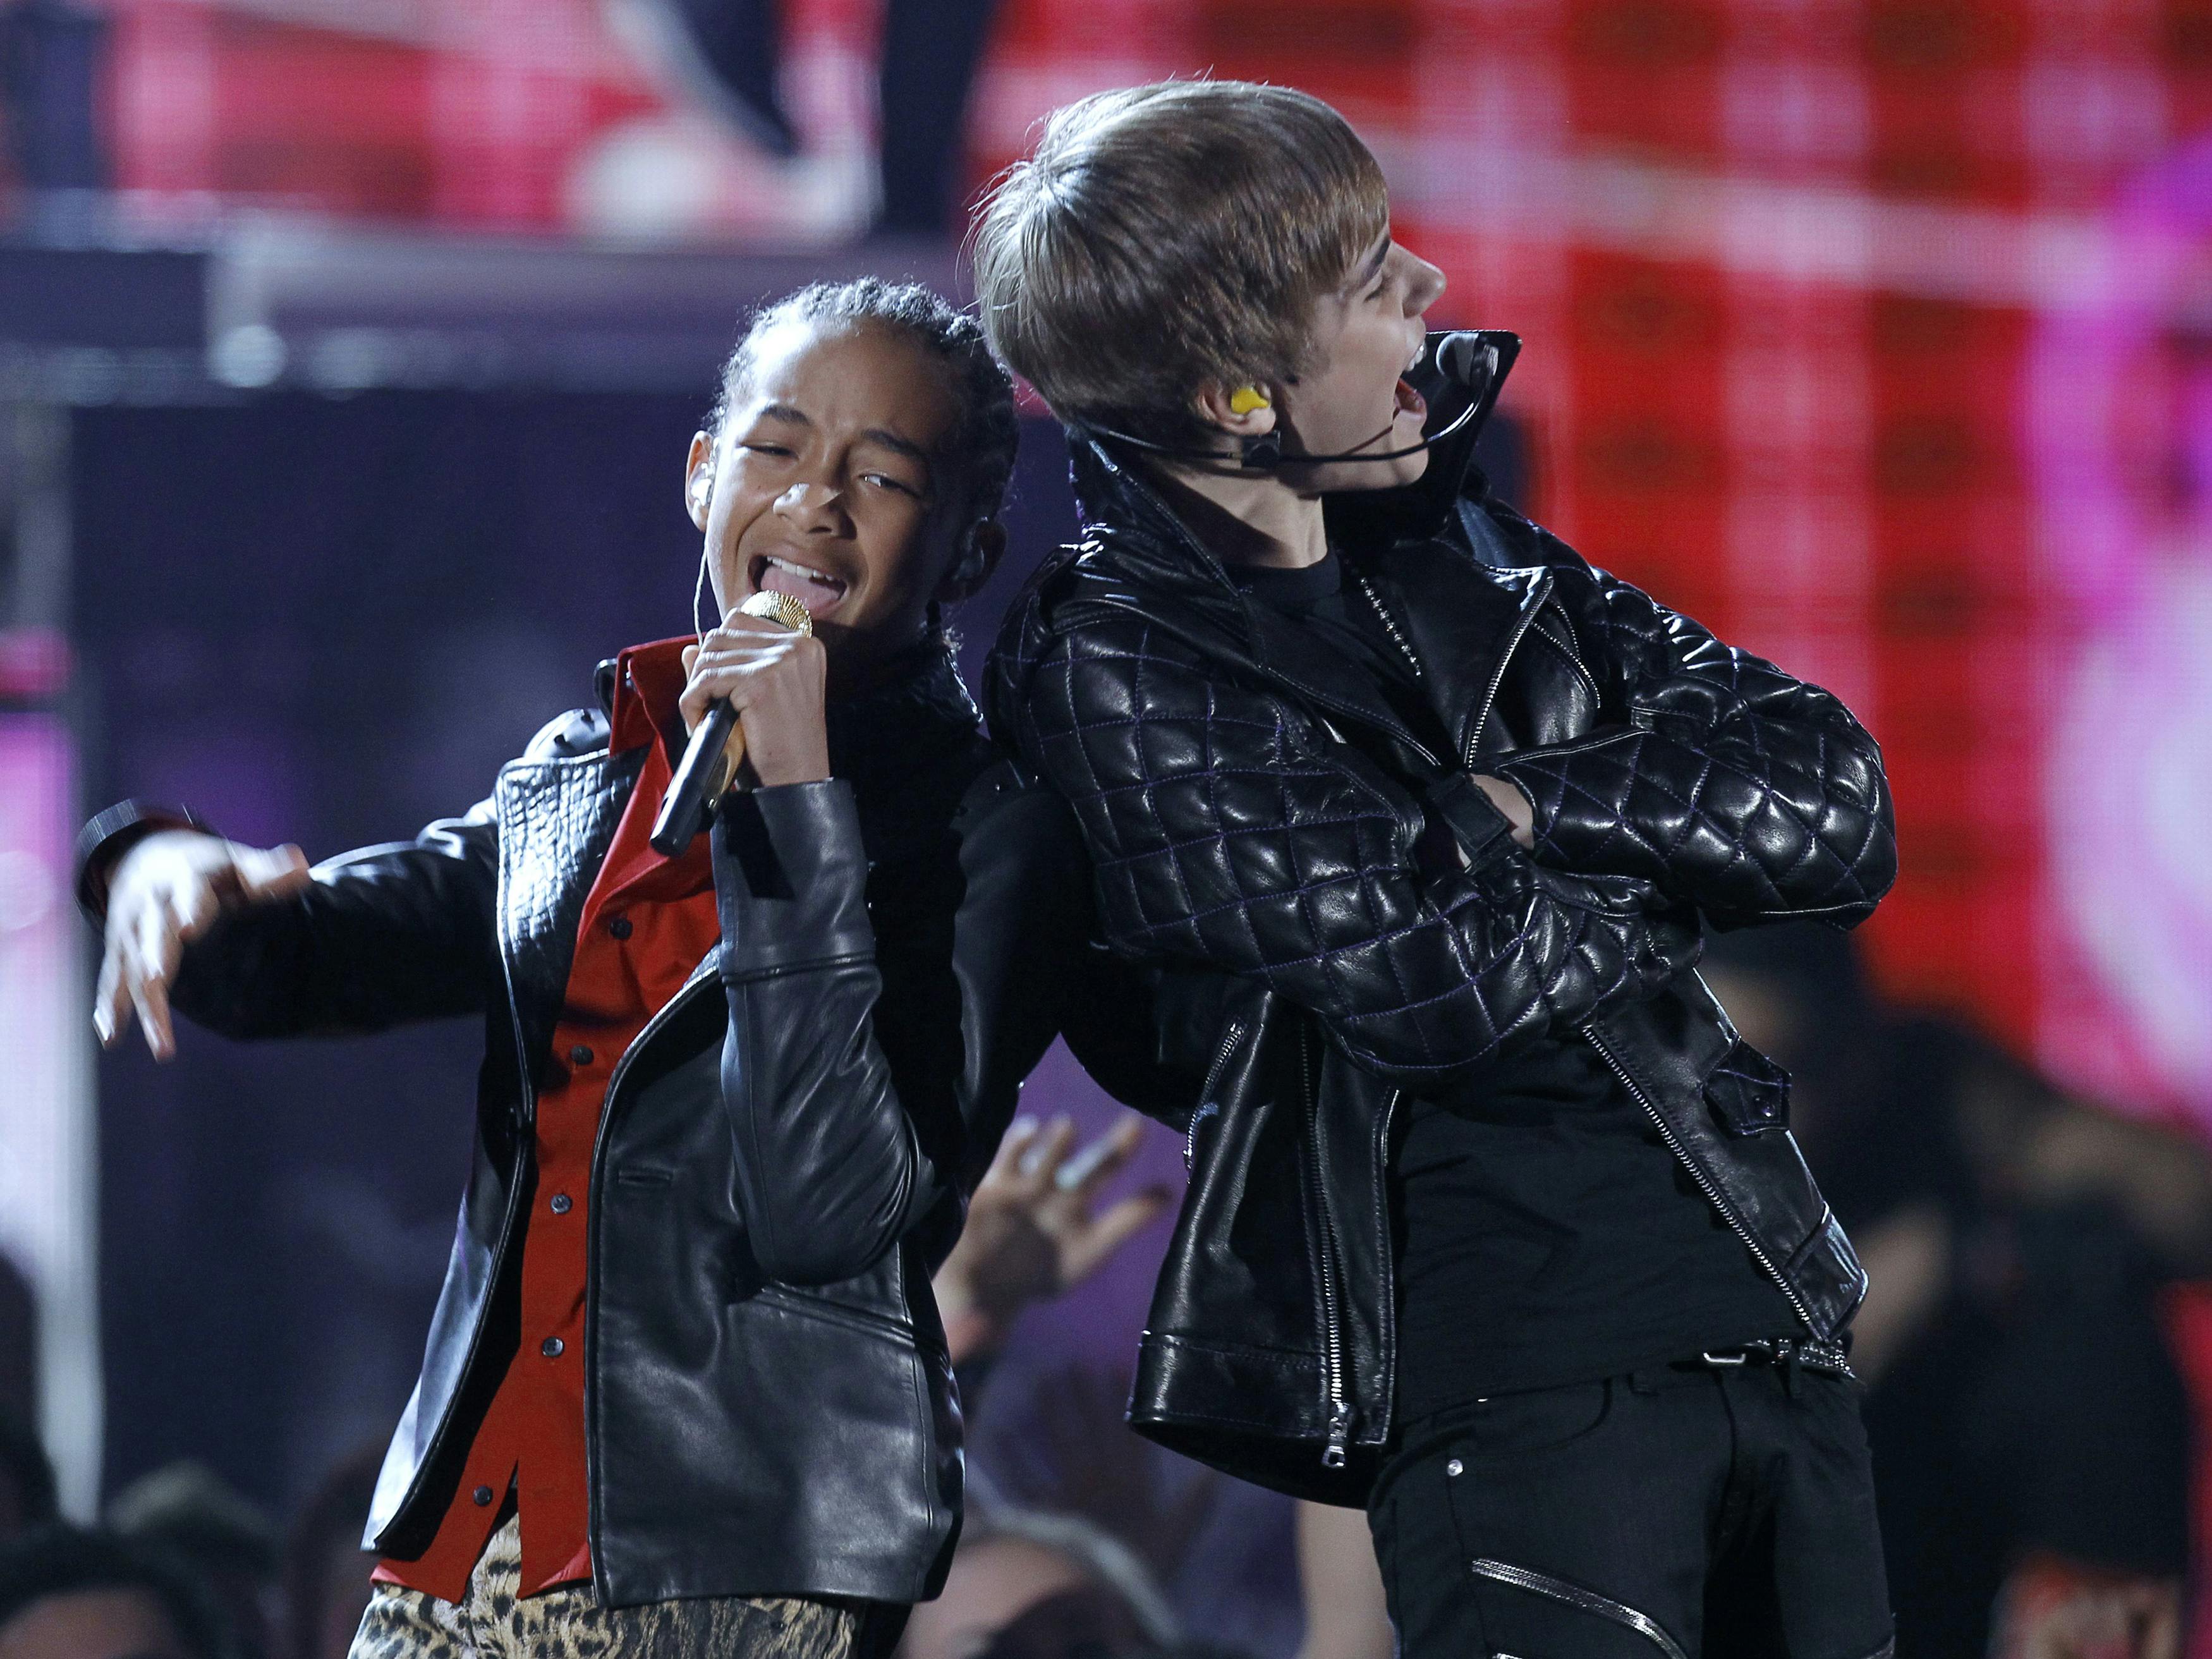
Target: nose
{"x": 813, "y": 507}
{"x": 1425, "y": 287}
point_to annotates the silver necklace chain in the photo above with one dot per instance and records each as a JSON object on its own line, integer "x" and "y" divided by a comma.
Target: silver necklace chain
{"x": 1389, "y": 624}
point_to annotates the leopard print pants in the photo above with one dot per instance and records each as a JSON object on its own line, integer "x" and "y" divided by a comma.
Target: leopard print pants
{"x": 492, "y": 1622}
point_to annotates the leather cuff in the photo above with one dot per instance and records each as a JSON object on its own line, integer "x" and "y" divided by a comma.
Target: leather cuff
{"x": 102, "y": 842}
{"x": 792, "y": 877}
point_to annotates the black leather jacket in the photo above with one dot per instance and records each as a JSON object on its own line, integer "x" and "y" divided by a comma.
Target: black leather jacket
{"x": 784, "y": 1152}
{"x": 1335, "y": 917}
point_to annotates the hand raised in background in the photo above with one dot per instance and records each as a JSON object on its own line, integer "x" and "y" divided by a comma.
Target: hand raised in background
{"x": 167, "y": 891}
{"x": 1034, "y": 1230}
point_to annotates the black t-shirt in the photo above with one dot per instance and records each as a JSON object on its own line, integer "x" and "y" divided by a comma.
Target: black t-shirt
{"x": 1543, "y": 1231}
{"x": 1337, "y": 612}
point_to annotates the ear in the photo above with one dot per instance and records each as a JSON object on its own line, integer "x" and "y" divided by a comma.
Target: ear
{"x": 1218, "y": 406}
{"x": 699, "y": 478}
{"x": 975, "y": 555}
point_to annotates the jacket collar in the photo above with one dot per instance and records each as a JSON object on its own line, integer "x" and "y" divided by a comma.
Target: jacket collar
{"x": 1462, "y": 613}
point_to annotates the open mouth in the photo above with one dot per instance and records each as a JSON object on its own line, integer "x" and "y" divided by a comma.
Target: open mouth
{"x": 816, "y": 590}
{"x": 1411, "y": 402}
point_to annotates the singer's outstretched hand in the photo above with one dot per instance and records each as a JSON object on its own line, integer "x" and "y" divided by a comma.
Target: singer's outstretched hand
{"x": 164, "y": 893}
{"x": 776, "y": 679}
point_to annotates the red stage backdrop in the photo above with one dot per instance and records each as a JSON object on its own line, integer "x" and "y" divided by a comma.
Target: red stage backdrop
{"x": 1871, "y": 334}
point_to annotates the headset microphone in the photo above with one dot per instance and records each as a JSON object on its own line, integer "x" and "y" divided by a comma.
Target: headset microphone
{"x": 1471, "y": 362}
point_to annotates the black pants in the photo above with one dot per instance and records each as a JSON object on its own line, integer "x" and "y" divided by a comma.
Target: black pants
{"x": 1677, "y": 1512}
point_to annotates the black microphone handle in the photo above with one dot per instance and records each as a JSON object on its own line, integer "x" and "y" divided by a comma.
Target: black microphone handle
{"x": 684, "y": 809}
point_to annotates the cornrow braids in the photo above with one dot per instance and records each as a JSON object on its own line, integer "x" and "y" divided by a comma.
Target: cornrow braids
{"x": 988, "y": 429}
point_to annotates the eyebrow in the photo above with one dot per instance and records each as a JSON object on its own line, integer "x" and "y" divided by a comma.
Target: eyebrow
{"x": 897, "y": 445}
{"x": 875, "y": 434}
{"x": 1373, "y": 268}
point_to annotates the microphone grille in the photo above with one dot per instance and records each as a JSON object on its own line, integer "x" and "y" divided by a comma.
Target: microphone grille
{"x": 1467, "y": 360}
{"x": 779, "y": 608}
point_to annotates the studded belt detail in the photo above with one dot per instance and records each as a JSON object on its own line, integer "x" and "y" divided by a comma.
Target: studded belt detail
{"x": 1827, "y": 1358}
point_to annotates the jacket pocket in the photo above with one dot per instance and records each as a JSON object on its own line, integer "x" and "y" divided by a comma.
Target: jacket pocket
{"x": 1529, "y": 1423}
{"x": 1748, "y": 1092}
{"x": 866, "y": 1321}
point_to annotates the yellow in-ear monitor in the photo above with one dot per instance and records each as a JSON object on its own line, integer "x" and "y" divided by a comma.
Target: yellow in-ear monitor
{"x": 1246, "y": 398}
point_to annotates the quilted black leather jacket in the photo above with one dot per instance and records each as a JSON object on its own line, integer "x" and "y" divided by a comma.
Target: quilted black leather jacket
{"x": 1333, "y": 916}
{"x": 784, "y": 1152}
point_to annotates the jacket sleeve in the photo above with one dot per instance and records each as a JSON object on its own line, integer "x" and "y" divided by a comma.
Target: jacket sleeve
{"x": 1752, "y": 794}
{"x": 379, "y": 937}
{"x": 851, "y": 1127}
{"x": 1226, "y": 832}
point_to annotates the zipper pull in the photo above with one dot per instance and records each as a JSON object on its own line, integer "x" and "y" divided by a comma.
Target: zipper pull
{"x": 1337, "y": 1453}
{"x": 1211, "y": 1108}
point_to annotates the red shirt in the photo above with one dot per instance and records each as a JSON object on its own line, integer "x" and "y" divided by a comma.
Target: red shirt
{"x": 647, "y": 922}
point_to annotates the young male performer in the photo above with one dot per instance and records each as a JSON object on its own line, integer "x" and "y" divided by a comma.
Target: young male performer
{"x": 1493, "y": 1223}
{"x": 686, "y": 1391}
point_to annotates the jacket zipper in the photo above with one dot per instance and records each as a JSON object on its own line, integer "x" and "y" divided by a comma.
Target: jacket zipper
{"x": 1335, "y": 1451}
{"x": 1575, "y": 661}
{"x": 1497, "y": 675}
{"x": 1705, "y": 1183}
{"x": 1206, "y": 1105}
{"x": 1389, "y": 1289}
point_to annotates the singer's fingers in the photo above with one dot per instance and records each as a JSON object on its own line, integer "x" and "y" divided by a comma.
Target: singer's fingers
{"x": 704, "y": 691}
{"x": 153, "y": 1007}
{"x": 150, "y": 995}
{"x": 778, "y": 645}
{"x": 159, "y": 948}
{"x": 154, "y": 954}
{"x": 191, "y": 907}
{"x": 153, "y": 1018}
{"x": 738, "y": 682}
{"x": 111, "y": 1001}
{"x": 271, "y": 872}
{"x": 738, "y": 619}
{"x": 746, "y": 631}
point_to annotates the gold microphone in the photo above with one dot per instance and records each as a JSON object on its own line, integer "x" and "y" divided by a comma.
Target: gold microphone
{"x": 718, "y": 743}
